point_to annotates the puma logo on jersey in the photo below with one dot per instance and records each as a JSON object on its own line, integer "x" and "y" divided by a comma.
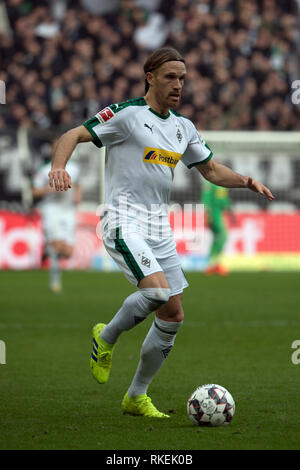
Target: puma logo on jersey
{"x": 149, "y": 127}
{"x": 161, "y": 157}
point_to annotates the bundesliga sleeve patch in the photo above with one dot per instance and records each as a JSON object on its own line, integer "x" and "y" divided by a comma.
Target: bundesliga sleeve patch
{"x": 105, "y": 115}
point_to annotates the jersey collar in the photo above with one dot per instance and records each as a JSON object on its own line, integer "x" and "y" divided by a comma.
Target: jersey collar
{"x": 159, "y": 115}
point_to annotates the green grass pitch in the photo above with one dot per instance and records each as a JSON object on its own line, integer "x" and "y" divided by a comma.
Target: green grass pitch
{"x": 238, "y": 332}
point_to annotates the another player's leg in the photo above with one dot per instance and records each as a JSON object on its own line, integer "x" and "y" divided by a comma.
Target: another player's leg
{"x": 155, "y": 349}
{"x": 60, "y": 229}
{"x": 54, "y": 268}
{"x": 219, "y": 239}
{"x": 57, "y": 250}
{"x": 134, "y": 310}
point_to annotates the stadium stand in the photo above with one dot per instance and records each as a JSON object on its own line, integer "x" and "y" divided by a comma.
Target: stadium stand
{"x": 63, "y": 60}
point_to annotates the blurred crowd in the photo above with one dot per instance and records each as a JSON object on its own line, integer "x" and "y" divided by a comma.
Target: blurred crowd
{"x": 64, "y": 60}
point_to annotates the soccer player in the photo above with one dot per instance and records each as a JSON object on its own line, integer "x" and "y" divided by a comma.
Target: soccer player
{"x": 216, "y": 200}
{"x": 144, "y": 139}
{"x": 58, "y": 212}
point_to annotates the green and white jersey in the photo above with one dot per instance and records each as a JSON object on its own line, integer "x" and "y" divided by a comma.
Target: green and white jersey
{"x": 142, "y": 151}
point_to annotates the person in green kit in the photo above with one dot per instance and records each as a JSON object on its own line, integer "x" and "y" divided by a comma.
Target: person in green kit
{"x": 216, "y": 200}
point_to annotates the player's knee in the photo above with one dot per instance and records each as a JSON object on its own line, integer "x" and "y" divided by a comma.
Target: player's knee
{"x": 66, "y": 250}
{"x": 179, "y": 317}
{"x": 175, "y": 315}
{"x": 68, "y": 253}
{"x": 158, "y": 295}
{"x": 55, "y": 246}
{"x": 173, "y": 310}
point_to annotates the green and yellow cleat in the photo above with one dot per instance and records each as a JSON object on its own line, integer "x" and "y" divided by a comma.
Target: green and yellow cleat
{"x": 101, "y": 356}
{"x": 141, "y": 405}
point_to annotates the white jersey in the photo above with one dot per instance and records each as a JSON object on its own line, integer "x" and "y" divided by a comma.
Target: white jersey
{"x": 65, "y": 199}
{"x": 142, "y": 151}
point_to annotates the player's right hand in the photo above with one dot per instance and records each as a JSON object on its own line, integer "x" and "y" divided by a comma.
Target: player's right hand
{"x": 60, "y": 179}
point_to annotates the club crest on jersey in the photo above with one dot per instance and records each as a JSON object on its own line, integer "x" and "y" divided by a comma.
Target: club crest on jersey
{"x": 105, "y": 115}
{"x": 161, "y": 157}
{"x": 178, "y": 134}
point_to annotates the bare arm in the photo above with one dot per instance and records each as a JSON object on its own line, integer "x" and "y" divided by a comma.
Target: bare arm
{"x": 221, "y": 175}
{"x": 40, "y": 192}
{"x": 78, "y": 194}
{"x": 58, "y": 176}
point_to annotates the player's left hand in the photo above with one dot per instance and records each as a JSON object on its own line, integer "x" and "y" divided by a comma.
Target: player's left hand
{"x": 259, "y": 188}
{"x": 60, "y": 179}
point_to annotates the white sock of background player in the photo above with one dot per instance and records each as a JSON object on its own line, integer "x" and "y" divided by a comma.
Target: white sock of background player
{"x": 54, "y": 269}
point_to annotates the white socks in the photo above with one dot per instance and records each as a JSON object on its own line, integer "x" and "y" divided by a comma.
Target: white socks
{"x": 54, "y": 269}
{"x": 134, "y": 310}
{"x": 158, "y": 342}
{"x": 155, "y": 349}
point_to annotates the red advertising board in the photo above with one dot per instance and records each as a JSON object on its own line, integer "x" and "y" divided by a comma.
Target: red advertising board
{"x": 251, "y": 235}
{"x": 21, "y": 240}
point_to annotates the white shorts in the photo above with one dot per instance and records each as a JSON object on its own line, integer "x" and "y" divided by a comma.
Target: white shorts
{"x": 59, "y": 224}
{"x": 138, "y": 257}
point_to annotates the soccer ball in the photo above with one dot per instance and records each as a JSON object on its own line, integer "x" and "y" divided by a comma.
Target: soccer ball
{"x": 210, "y": 405}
